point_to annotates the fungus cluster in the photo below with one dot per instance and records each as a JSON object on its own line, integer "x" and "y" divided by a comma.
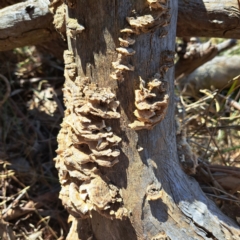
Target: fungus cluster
{"x": 59, "y": 12}
{"x": 86, "y": 143}
{"x": 151, "y": 104}
{"x": 151, "y": 101}
{"x": 157, "y": 17}
{"x": 158, "y": 4}
{"x": 73, "y": 27}
{"x": 149, "y": 22}
{"x": 154, "y": 191}
{"x": 124, "y": 51}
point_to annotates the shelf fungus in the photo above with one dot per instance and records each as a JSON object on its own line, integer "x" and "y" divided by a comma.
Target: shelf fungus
{"x": 166, "y": 62}
{"x": 126, "y": 42}
{"x": 87, "y": 143}
{"x": 59, "y": 12}
{"x": 151, "y": 104}
{"x": 154, "y": 192}
{"x": 73, "y": 27}
{"x": 122, "y": 63}
{"x": 70, "y": 65}
{"x": 158, "y": 4}
{"x": 148, "y": 22}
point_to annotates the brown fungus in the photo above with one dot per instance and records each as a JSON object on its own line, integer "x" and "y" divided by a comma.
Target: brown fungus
{"x": 149, "y": 22}
{"x": 126, "y": 51}
{"x": 122, "y": 64}
{"x": 158, "y": 4}
{"x": 166, "y": 62}
{"x": 151, "y": 104}
{"x": 154, "y": 191}
{"x": 73, "y": 27}
{"x": 126, "y": 42}
{"x": 70, "y": 65}
{"x": 59, "y": 13}
{"x": 85, "y": 143}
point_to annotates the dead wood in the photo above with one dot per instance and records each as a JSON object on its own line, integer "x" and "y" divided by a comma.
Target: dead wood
{"x": 215, "y": 74}
{"x": 192, "y": 54}
{"x": 137, "y": 189}
{"x": 208, "y": 18}
{"x": 27, "y": 23}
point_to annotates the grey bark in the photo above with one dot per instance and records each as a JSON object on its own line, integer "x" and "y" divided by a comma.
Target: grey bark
{"x": 183, "y": 212}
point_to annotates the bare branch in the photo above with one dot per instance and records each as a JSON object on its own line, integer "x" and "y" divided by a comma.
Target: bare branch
{"x": 208, "y": 18}
{"x": 25, "y": 23}
{"x": 193, "y": 54}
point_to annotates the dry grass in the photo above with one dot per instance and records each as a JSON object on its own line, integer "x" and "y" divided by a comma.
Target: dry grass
{"x": 31, "y": 112}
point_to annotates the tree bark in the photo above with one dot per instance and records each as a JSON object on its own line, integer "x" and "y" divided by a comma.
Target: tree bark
{"x": 208, "y": 18}
{"x": 145, "y": 195}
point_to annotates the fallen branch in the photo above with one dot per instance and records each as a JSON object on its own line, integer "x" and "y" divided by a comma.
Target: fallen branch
{"x": 193, "y": 54}
{"x": 208, "y": 18}
{"x": 25, "y": 23}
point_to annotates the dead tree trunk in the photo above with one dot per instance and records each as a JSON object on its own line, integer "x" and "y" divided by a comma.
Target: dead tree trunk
{"x": 117, "y": 156}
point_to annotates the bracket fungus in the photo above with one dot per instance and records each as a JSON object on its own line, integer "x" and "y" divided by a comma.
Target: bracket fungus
{"x": 154, "y": 191}
{"x": 126, "y": 42}
{"x": 70, "y": 65}
{"x": 124, "y": 51}
{"x": 158, "y": 4}
{"x": 73, "y": 27}
{"x": 86, "y": 143}
{"x": 158, "y": 17}
{"x": 151, "y": 104}
{"x": 148, "y": 22}
{"x": 166, "y": 62}
{"x": 59, "y": 13}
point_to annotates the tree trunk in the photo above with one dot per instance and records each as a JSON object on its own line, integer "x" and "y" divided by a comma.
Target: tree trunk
{"x": 118, "y": 165}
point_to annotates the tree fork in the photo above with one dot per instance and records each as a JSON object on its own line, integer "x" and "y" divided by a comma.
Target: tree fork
{"x": 145, "y": 195}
